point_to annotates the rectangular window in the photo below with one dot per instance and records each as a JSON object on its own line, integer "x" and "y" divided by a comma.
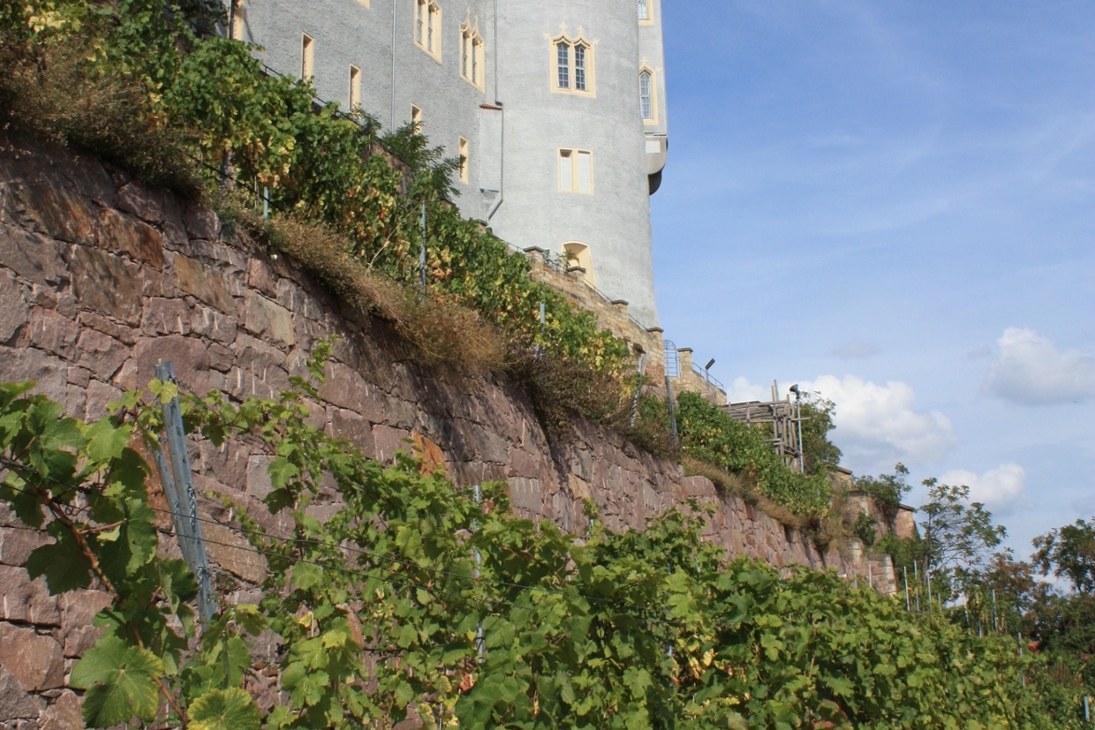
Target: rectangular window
{"x": 427, "y": 27}
{"x": 585, "y": 172}
{"x": 307, "y": 56}
{"x": 562, "y": 56}
{"x": 575, "y": 171}
{"x": 579, "y": 67}
{"x": 646, "y": 99}
{"x": 644, "y": 10}
{"x": 566, "y": 171}
{"x": 429, "y": 31}
{"x": 463, "y": 146}
{"x": 471, "y": 57}
{"x": 355, "y": 88}
{"x": 476, "y": 49}
{"x": 416, "y": 118}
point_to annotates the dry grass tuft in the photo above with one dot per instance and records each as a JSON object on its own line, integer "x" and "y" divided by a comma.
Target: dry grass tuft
{"x": 50, "y": 92}
{"x": 443, "y": 332}
{"x": 739, "y": 486}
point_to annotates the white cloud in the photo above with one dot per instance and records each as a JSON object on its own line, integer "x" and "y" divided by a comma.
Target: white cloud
{"x": 997, "y": 487}
{"x": 742, "y": 391}
{"x": 876, "y": 425}
{"x": 1030, "y": 370}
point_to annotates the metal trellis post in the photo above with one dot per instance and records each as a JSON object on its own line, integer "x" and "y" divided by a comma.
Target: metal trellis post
{"x": 178, "y": 481}
{"x": 422, "y": 254}
{"x": 480, "y": 636}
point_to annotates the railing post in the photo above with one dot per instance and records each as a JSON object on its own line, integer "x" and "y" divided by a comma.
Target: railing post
{"x": 179, "y": 487}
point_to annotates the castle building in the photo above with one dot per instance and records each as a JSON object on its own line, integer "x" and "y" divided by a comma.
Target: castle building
{"x": 556, "y": 109}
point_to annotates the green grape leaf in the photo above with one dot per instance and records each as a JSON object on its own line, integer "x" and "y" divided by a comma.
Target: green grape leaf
{"x": 282, "y": 471}
{"x": 105, "y": 441}
{"x": 64, "y": 565}
{"x": 120, "y": 681}
{"x": 230, "y": 709}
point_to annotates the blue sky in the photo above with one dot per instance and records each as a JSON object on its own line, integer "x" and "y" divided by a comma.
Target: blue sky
{"x": 894, "y": 203}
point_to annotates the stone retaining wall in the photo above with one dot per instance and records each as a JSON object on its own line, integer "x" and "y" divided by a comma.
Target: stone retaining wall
{"x": 100, "y": 278}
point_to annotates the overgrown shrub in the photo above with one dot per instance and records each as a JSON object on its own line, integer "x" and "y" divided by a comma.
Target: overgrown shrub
{"x": 710, "y": 435}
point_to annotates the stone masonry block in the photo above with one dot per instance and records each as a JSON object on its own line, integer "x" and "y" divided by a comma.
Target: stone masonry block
{"x": 258, "y": 476}
{"x": 148, "y": 205}
{"x": 66, "y": 713}
{"x": 16, "y": 544}
{"x": 138, "y": 240}
{"x": 205, "y": 283}
{"x": 26, "y": 601}
{"x": 49, "y": 372}
{"x": 99, "y": 396}
{"x": 388, "y": 441}
{"x": 165, "y": 317}
{"x": 34, "y": 257}
{"x": 352, "y": 427}
{"x": 107, "y": 285}
{"x": 217, "y": 326}
{"x": 55, "y": 210}
{"x": 13, "y": 305}
{"x": 34, "y": 659}
{"x": 53, "y": 333}
{"x": 202, "y": 223}
{"x": 269, "y": 320}
{"x": 346, "y": 388}
{"x": 101, "y": 354}
{"x": 15, "y": 702}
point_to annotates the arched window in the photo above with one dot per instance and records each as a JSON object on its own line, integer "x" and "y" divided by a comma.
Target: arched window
{"x": 646, "y": 97}
{"x": 472, "y": 67}
{"x": 572, "y": 61}
{"x": 648, "y": 94}
{"x": 578, "y": 254}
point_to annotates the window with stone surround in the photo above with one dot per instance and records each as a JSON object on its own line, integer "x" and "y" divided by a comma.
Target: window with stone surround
{"x": 575, "y": 171}
{"x": 572, "y": 65}
{"x": 472, "y": 67}
{"x": 427, "y": 27}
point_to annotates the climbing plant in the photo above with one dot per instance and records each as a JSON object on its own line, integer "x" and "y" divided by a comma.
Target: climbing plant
{"x": 417, "y": 599}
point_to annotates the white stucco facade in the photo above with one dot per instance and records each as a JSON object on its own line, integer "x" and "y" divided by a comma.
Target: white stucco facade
{"x": 524, "y": 133}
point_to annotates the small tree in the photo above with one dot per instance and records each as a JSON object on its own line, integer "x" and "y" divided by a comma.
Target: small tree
{"x": 1069, "y": 552}
{"x": 959, "y": 536}
{"x": 819, "y": 453}
{"x": 887, "y": 491}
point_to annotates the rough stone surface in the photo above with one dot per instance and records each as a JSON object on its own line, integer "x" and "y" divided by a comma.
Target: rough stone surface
{"x": 134, "y": 238}
{"x": 90, "y": 303}
{"x": 13, "y": 306}
{"x": 64, "y": 714}
{"x": 205, "y": 283}
{"x": 269, "y": 320}
{"x": 34, "y": 659}
{"x": 15, "y": 703}
{"x": 27, "y": 601}
{"x": 107, "y": 284}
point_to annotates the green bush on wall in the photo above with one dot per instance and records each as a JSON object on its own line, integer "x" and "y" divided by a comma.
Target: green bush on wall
{"x": 712, "y": 436}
